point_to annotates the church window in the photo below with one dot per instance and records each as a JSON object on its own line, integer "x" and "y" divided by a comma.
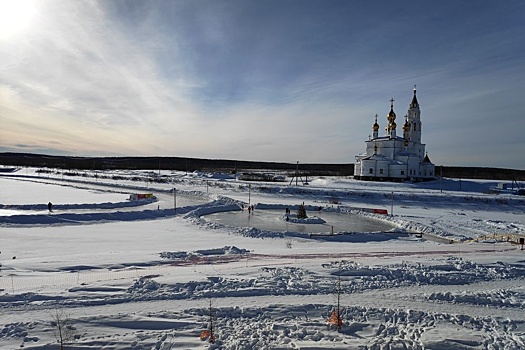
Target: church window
{"x": 415, "y": 127}
{"x": 371, "y": 170}
{"x": 402, "y": 172}
{"x": 380, "y": 171}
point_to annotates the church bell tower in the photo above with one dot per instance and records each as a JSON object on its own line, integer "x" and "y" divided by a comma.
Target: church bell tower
{"x": 412, "y": 126}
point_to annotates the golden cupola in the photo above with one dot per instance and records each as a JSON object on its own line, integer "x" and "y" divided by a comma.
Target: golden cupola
{"x": 375, "y": 127}
{"x": 391, "y": 116}
{"x": 406, "y": 127}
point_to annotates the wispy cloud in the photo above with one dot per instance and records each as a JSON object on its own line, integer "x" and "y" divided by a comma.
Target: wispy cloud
{"x": 272, "y": 80}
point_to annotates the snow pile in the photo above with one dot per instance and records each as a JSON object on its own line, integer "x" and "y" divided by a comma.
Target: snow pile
{"x": 19, "y": 330}
{"x": 226, "y": 250}
{"x": 309, "y": 220}
{"x": 84, "y": 206}
{"x": 144, "y": 285}
{"x": 451, "y": 271}
{"x": 499, "y": 298}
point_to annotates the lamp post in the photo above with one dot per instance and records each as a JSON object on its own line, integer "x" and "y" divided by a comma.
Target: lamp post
{"x": 392, "y": 205}
{"x": 174, "y": 199}
{"x": 249, "y": 194}
{"x": 441, "y": 179}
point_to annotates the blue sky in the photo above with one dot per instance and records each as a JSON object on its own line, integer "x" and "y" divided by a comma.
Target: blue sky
{"x": 285, "y": 81}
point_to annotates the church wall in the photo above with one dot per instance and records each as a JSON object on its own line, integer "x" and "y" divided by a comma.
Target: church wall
{"x": 420, "y": 148}
{"x": 357, "y": 168}
{"x": 374, "y": 168}
{"x": 413, "y": 167}
{"x": 428, "y": 170}
{"x": 398, "y": 171}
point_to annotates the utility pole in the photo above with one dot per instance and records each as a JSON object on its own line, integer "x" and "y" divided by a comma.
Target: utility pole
{"x": 339, "y": 323}
{"x": 392, "y": 205}
{"x": 441, "y": 179}
{"x": 174, "y": 199}
{"x": 296, "y": 173}
{"x": 212, "y": 337}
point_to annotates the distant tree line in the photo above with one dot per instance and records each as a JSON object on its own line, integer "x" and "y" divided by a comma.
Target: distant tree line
{"x": 481, "y": 173}
{"x": 233, "y": 166}
{"x": 166, "y": 163}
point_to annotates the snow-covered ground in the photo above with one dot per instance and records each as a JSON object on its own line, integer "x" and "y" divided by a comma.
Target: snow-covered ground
{"x": 143, "y": 274}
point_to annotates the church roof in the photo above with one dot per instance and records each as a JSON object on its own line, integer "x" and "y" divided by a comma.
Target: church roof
{"x": 426, "y": 159}
{"x": 406, "y": 153}
{"x": 380, "y": 157}
{"x": 414, "y": 102}
{"x": 386, "y": 138}
{"x": 379, "y": 138}
{"x": 377, "y": 157}
{"x": 398, "y": 162}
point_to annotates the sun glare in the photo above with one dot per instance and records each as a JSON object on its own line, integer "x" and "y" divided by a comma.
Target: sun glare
{"x": 15, "y": 16}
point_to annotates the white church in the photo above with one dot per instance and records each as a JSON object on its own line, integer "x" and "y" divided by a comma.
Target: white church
{"x": 392, "y": 157}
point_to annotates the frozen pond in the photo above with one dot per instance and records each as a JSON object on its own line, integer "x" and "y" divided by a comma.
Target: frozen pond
{"x": 271, "y": 220}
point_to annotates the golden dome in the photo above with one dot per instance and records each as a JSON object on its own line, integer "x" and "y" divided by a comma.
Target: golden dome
{"x": 406, "y": 127}
{"x": 391, "y": 115}
{"x": 375, "y": 127}
{"x": 393, "y": 125}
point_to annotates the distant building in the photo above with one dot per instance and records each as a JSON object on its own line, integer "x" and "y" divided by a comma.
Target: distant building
{"x": 395, "y": 158}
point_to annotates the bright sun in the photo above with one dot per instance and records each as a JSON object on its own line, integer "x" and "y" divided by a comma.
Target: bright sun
{"x": 15, "y": 16}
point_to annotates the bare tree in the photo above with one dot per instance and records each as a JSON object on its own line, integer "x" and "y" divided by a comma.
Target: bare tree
{"x": 63, "y": 330}
{"x": 208, "y": 334}
{"x": 335, "y": 317}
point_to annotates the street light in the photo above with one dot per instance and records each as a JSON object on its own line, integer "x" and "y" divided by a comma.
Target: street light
{"x": 174, "y": 199}
{"x": 392, "y": 205}
{"x": 441, "y": 179}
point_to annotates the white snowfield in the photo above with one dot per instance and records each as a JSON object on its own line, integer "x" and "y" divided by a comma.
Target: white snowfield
{"x": 143, "y": 274}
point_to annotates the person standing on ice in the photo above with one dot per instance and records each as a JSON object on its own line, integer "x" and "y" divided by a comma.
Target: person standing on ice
{"x": 50, "y": 206}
